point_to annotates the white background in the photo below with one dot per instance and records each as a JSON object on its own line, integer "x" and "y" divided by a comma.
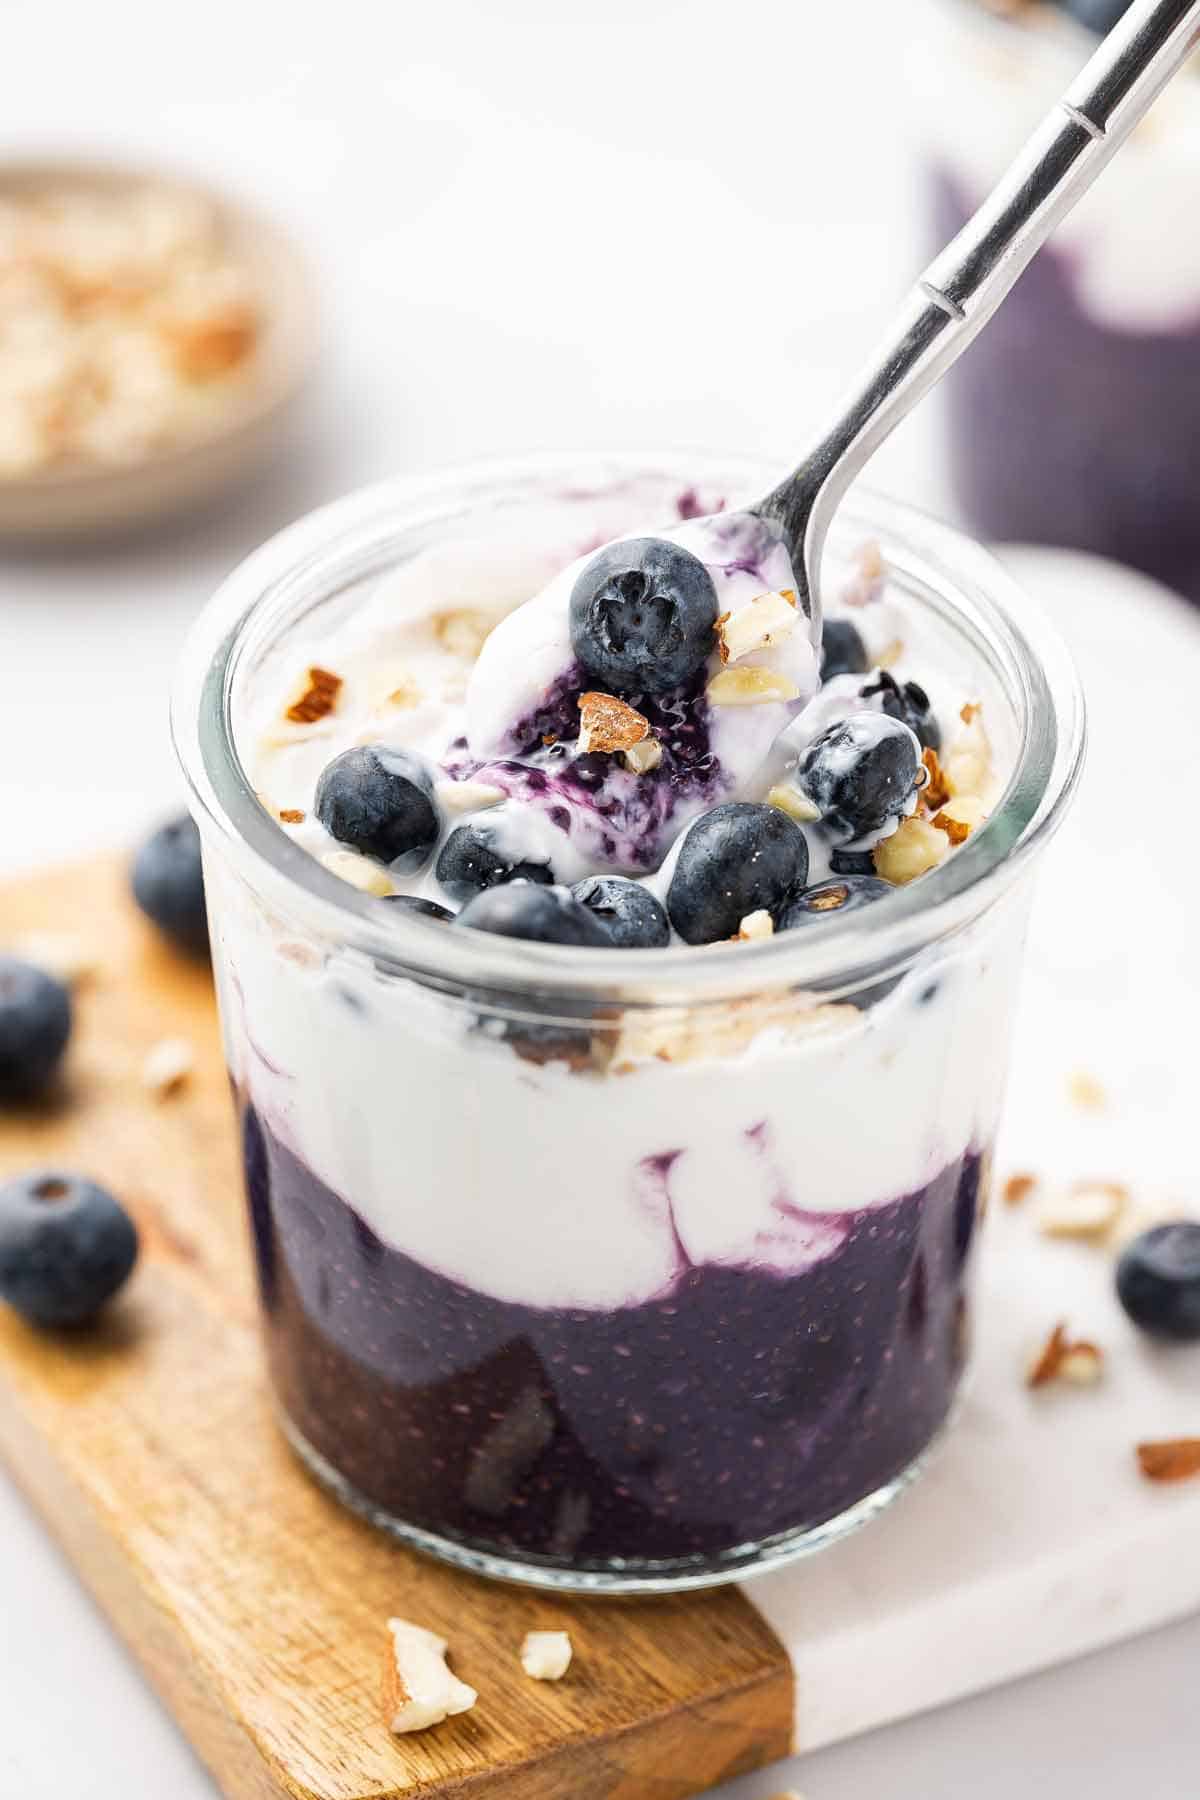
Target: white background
{"x": 536, "y": 224}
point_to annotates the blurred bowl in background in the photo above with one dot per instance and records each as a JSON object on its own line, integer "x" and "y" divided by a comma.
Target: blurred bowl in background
{"x": 156, "y": 336}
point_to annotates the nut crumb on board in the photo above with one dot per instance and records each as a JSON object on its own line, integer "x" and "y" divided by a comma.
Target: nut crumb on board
{"x": 167, "y": 1066}
{"x": 546, "y": 1655}
{"x": 65, "y": 957}
{"x": 419, "y": 1689}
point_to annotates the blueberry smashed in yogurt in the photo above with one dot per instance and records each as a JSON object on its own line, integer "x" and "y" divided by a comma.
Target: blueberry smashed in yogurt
{"x": 639, "y": 1293}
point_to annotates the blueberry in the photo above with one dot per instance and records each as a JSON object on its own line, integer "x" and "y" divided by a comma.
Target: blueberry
{"x": 852, "y": 862}
{"x": 1097, "y": 15}
{"x": 632, "y": 917}
{"x": 35, "y": 1023}
{"x": 66, "y": 1246}
{"x": 910, "y": 704}
{"x": 416, "y": 903}
{"x": 1158, "y": 1280}
{"x": 168, "y": 884}
{"x": 832, "y": 899}
{"x": 642, "y": 616}
{"x": 735, "y": 860}
{"x": 472, "y": 860}
{"x": 541, "y": 915}
{"x": 861, "y": 772}
{"x": 842, "y": 649}
{"x": 380, "y": 801}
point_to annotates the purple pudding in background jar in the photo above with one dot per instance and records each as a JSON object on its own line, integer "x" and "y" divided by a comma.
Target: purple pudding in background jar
{"x": 1075, "y": 419}
{"x": 596, "y": 1250}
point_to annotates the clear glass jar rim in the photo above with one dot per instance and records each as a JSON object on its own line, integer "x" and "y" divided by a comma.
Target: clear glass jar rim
{"x": 322, "y": 547}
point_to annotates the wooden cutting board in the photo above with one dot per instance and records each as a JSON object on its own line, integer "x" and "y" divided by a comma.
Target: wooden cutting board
{"x": 256, "y": 1606}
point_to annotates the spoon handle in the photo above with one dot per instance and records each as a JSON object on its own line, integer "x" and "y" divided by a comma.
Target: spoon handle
{"x": 963, "y": 286}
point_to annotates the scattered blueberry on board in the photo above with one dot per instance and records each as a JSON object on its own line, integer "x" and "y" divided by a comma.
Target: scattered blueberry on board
{"x": 471, "y": 861}
{"x": 416, "y": 903}
{"x": 738, "y": 859}
{"x": 1158, "y": 1281}
{"x": 861, "y": 773}
{"x": 642, "y": 615}
{"x": 842, "y": 649}
{"x": 540, "y": 915}
{"x": 910, "y": 704}
{"x": 66, "y": 1247}
{"x": 35, "y": 1025}
{"x": 380, "y": 801}
{"x": 168, "y": 884}
{"x": 832, "y": 899}
{"x": 632, "y": 917}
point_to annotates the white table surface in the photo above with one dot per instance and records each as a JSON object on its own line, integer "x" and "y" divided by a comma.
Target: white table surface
{"x": 498, "y": 199}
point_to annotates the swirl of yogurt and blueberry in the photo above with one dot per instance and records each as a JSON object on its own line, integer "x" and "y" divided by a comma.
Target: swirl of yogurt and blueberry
{"x": 653, "y": 734}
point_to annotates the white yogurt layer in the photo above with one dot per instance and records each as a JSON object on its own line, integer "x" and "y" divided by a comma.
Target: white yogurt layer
{"x": 744, "y": 1137}
{"x": 1130, "y": 247}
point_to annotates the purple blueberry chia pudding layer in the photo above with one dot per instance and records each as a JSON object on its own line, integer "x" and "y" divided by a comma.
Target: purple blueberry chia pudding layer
{"x": 736, "y": 1404}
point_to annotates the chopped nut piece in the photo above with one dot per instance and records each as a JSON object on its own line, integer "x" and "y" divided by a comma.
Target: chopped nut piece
{"x": 204, "y": 348}
{"x": 1061, "y": 1360}
{"x": 361, "y": 873}
{"x": 318, "y": 698}
{"x": 796, "y": 805}
{"x": 1085, "y": 1092}
{"x": 965, "y": 810}
{"x": 291, "y": 815}
{"x": 418, "y": 1688}
{"x": 750, "y": 687}
{"x": 955, "y": 830}
{"x": 1088, "y": 1211}
{"x": 1018, "y": 1188}
{"x": 463, "y": 631}
{"x": 642, "y": 757}
{"x": 967, "y": 763}
{"x": 935, "y": 793}
{"x": 890, "y": 655}
{"x": 694, "y": 1034}
{"x": 1171, "y": 1459}
{"x": 406, "y": 692}
{"x": 64, "y": 957}
{"x": 755, "y": 926}
{"x": 469, "y": 796}
{"x": 969, "y": 711}
{"x": 912, "y": 850}
{"x": 167, "y": 1066}
{"x": 546, "y": 1655}
{"x": 766, "y": 621}
{"x": 608, "y": 724}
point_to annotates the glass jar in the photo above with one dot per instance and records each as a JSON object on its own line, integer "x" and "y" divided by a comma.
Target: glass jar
{"x": 600, "y": 1269}
{"x": 1075, "y": 419}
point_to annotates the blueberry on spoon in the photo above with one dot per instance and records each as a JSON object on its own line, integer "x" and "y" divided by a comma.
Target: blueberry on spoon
{"x": 1158, "y": 1281}
{"x": 642, "y": 615}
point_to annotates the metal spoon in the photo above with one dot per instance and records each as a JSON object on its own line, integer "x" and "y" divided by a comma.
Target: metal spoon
{"x": 961, "y": 289}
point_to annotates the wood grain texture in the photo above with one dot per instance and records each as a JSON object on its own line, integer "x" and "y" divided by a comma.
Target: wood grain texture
{"x": 255, "y": 1604}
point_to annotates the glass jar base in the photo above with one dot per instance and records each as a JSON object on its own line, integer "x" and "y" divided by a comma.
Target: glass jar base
{"x": 619, "y": 1576}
